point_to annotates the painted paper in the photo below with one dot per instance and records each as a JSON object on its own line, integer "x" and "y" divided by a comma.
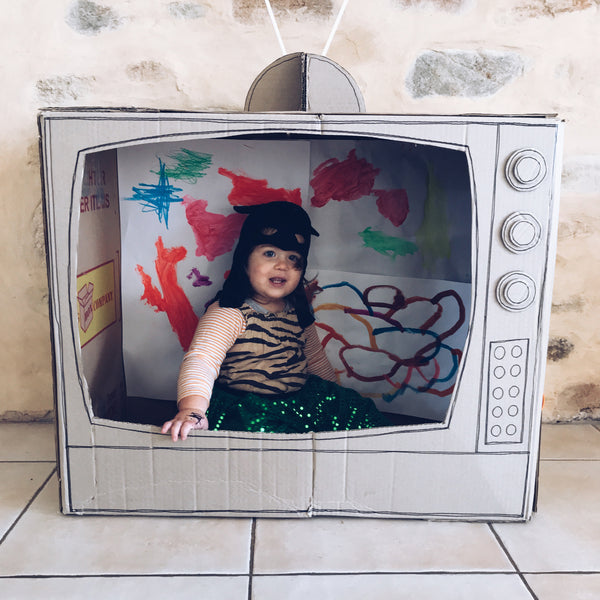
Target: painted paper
{"x": 389, "y": 274}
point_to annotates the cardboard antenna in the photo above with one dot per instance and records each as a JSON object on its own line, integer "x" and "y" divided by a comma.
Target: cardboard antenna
{"x": 304, "y": 82}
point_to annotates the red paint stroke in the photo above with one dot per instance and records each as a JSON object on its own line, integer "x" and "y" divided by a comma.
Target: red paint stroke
{"x": 248, "y": 192}
{"x": 215, "y": 234}
{"x": 349, "y": 179}
{"x": 393, "y": 205}
{"x": 172, "y": 300}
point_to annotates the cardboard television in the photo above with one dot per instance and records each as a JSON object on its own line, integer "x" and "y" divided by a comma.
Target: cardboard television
{"x": 431, "y": 286}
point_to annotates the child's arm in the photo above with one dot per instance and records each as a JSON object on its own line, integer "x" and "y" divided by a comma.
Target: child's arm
{"x": 318, "y": 363}
{"x": 216, "y": 333}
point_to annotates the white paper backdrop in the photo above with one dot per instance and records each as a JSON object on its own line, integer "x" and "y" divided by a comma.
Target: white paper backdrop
{"x": 394, "y": 219}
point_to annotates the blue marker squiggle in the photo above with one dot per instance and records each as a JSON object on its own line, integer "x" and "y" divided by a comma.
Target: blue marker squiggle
{"x": 157, "y": 198}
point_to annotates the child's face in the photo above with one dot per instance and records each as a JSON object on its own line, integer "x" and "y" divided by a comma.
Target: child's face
{"x": 274, "y": 274}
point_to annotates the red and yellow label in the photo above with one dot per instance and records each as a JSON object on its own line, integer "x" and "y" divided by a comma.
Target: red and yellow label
{"x": 96, "y": 303}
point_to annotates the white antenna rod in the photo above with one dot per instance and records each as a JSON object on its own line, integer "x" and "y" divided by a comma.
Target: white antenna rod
{"x": 335, "y": 26}
{"x": 270, "y": 11}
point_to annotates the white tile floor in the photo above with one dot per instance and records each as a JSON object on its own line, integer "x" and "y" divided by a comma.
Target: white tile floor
{"x": 44, "y": 554}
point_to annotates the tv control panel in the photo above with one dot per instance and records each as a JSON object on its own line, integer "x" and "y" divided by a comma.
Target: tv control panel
{"x": 518, "y": 300}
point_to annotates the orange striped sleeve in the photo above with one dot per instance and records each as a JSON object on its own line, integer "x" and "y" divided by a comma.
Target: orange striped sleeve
{"x": 318, "y": 363}
{"x": 217, "y": 331}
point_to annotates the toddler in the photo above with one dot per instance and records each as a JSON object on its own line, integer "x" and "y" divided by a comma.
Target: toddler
{"x": 256, "y": 362}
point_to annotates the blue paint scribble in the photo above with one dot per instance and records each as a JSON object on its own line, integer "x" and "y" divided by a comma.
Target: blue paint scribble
{"x": 199, "y": 280}
{"x": 157, "y": 198}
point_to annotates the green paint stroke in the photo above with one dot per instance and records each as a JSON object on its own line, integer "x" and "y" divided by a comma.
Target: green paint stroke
{"x": 386, "y": 244}
{"x": 188, "y": 165}
{"x": 432, "y": 236}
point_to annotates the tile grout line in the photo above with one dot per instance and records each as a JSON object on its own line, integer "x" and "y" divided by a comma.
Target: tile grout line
{"x": 389, "y": 573}
{"x": 550, "y": 459}
{"x": 215, "y": 575}
{"x": 251, "y": 563}
{"x": 512, "y": 561}
{"x": 26, "y": 508}
{"x": 27, "y": 462}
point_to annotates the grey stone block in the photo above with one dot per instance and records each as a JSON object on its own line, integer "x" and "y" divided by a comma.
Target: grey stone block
{"x": 63, "y": 88}
{"x": 90, "y": 18}
{"x": 462, "y": 72}
{"x": 186, "y": 10}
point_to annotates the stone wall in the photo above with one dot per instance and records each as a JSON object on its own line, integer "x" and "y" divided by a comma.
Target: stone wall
{"x": 408, "y": 56}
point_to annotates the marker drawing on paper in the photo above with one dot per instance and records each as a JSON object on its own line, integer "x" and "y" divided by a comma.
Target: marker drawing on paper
{"x": 157, "y": 198}
{"x": 188, "y": 166}
{"x": 405, "y": 355}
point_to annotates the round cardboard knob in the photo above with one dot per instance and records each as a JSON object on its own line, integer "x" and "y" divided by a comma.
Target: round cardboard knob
{"x": 525, "y": 169}
{"x": 521, "y": 232}
{"x": 515, "y": 291}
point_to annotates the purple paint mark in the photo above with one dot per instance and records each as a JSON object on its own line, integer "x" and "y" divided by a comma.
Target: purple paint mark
{"x": 199, "y": 280}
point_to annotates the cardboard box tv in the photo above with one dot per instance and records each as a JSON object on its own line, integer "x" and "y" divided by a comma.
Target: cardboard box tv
{"x": 463, "y": 446}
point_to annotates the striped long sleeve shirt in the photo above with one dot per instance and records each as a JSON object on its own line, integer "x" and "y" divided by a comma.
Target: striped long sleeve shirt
{"x": 248, "y": 350}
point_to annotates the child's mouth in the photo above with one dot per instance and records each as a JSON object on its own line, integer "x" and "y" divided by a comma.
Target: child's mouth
{"x": 277, "y": 280}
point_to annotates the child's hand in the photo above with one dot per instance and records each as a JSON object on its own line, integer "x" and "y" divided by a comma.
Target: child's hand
{"x": 184, "y": 422}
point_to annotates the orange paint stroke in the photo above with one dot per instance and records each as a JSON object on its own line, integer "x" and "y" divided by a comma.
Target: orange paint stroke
{"x": 172, "y": 300}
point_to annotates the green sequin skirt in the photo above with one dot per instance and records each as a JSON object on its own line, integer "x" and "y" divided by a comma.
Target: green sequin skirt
{"x": 319, "y": 406}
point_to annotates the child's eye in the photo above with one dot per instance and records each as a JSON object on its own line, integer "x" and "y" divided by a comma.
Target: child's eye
{"x": 269, "y": 253}
{"x": 297, "y": 261}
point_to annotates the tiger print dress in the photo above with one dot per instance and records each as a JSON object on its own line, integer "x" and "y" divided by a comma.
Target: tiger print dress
{"x": 270, "y": 375}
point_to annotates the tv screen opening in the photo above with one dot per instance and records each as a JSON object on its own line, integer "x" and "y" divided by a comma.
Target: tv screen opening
{"x": 389, "y": 276}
